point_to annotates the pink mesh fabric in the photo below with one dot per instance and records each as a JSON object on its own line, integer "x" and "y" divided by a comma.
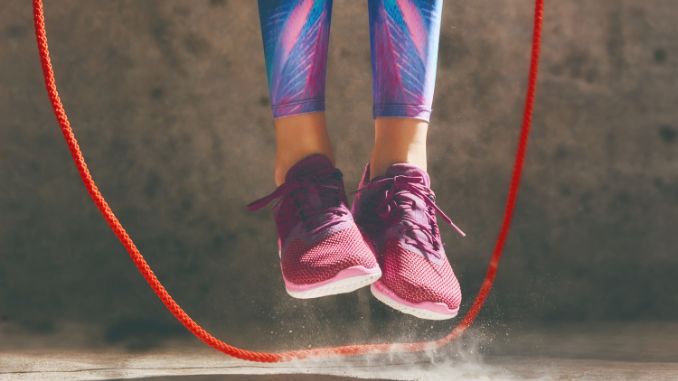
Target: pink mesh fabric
{"x": 317, "y": 235}
{"x": 302, "y": 263}
{"x": 417, "y": 279}
{"x": 413, "y": 268}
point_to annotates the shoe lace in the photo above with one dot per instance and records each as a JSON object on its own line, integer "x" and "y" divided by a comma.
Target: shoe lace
{"x": 400, "y": 190}
{"x": 327, "y": 186}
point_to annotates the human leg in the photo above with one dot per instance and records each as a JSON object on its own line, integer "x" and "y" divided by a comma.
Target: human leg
{"x": 404, "y": 35}
{"x": 295, "y": 35}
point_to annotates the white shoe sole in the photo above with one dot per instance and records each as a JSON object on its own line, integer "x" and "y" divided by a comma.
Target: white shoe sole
{"x": 347, "y": 280}
{"x": 420, "y": 310}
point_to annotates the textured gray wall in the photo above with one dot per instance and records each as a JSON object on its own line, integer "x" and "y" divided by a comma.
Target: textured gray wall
{"x": 169, "y": 100}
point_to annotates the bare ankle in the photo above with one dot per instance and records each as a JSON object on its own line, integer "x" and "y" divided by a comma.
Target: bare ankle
{"x": 398, "y": 140}
{"x": 297, "y": 137}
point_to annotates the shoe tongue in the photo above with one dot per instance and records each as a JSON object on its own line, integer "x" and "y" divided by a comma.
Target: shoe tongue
{"x": 309, "y": 166}
{"x": 405, "y": 169}
{"x": 417, "y": 211}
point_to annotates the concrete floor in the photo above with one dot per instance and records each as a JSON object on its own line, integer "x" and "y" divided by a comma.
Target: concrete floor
{"x": 193, "y": 366}
{"x": 566, "y": 352}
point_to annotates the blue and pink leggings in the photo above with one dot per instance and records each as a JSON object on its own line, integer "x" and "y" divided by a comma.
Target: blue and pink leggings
{"x": 404, "y": 40}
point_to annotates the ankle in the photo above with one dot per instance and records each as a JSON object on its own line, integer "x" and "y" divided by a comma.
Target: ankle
{"x": 284, "y": 162}
{"x": 398, "y": 140}
{"x": 297, "y": 137}
{"x": 379, "y": 163}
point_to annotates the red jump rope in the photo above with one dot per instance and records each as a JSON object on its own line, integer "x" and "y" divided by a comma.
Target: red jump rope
{"x": 348, "y": 350}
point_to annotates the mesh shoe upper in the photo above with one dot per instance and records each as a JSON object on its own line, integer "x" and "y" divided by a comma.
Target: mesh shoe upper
{"x": 317, "y": 236}
{"x": 397, "y": 212}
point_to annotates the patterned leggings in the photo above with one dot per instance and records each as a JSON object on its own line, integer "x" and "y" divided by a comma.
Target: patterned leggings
{"x": 404, "y": 43}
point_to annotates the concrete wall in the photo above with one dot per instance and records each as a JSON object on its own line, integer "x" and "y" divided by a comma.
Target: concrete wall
{"x": 170, "y": 103}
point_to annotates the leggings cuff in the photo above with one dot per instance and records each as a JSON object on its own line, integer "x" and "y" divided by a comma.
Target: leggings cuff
{"x": 298, "y": 107}
{"x": 402, "y": 110}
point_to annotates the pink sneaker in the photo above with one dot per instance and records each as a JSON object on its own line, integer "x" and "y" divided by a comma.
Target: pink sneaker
{"x": 321, "y": 250}
{"x": 397, "y": 212}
